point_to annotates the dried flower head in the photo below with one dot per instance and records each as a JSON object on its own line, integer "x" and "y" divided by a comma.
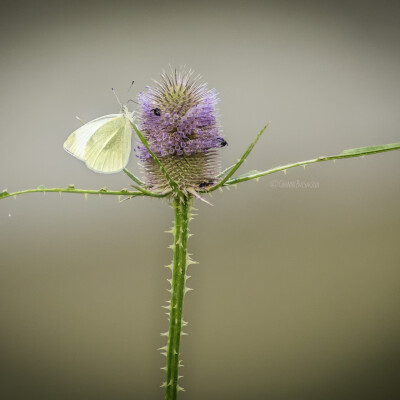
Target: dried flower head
{"x": 178, "y": 119}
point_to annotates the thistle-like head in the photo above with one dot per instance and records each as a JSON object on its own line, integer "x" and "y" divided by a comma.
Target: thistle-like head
{"x": 177, "y": 117}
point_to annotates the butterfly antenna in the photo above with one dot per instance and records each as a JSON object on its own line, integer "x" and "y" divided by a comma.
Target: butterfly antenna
{"x": 83, "y": 123}
{"x": 133, "y": 101}
{"x": 115, "y": 94}
{"x": 130, "y": 87}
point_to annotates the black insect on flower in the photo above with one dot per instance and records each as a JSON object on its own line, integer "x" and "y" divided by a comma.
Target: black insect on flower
{"x": 204, "y": 185}
{"x": 222, "y": 142}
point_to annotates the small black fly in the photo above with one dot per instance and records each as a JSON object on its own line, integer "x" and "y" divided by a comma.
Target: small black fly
{"x": 205, "y": 184}
{"x": 156, "y": 111}
{"x": 222, "y": 142}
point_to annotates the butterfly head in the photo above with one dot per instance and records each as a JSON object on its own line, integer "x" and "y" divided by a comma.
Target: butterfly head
{"x": 126, "y": 113}
{"x": 124, "y": 109}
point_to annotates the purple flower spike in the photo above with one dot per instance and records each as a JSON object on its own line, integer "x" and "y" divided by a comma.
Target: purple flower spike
{"x": 178, "y": 120}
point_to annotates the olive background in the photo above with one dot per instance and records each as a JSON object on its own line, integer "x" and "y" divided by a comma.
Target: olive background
{"x": 297, "y": 291}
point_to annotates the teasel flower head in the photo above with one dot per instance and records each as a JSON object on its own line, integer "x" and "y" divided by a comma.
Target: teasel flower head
{"x": 178, "y": 119}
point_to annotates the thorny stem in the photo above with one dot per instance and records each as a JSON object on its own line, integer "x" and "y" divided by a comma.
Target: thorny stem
{"x": 360, "y": 152}
{"x": 72, "y": 189}
{"x": 178, "y": 289}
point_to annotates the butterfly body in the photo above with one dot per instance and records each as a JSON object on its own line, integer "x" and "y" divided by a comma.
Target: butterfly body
{"x": 104, "y": 143}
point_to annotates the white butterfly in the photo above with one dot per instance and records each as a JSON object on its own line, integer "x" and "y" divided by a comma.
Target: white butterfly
{"x": 104, "y": 144}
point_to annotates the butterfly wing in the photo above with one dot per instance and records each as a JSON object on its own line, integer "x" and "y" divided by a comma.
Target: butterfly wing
{"x": 109, "y": 148}
{"x": 77, "y": 141}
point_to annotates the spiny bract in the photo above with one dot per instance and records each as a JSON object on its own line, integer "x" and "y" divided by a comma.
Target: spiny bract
{"x": 178, "y": 119}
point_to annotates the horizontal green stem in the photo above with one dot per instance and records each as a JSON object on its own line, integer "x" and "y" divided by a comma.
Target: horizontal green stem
{"x": 104, "y": 191}
{"x": 359, "y": 152}
{"x": 152, "y": 194}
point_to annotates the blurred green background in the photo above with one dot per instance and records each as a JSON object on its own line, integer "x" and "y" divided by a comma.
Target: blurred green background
{"x": 297, "y": 291}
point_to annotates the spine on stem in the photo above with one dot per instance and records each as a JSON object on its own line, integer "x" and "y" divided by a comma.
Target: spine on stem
{"x": 182, "y": 207}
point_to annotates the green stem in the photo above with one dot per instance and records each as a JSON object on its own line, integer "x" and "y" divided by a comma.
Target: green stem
{"x": 359, "y": 152}
{"x": 178, "y": 289}
{"x": 71, "y": 189}
{"x": 133, "y": 177}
